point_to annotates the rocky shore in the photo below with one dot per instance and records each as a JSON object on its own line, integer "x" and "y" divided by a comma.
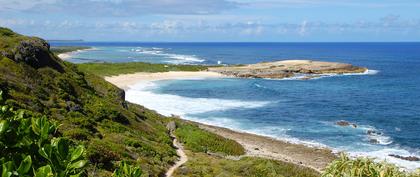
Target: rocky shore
{"x": 288, "y": 68}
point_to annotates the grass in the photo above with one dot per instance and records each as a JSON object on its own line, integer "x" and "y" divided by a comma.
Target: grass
{"x": 199, "y": 140}
{"x": 65, "y": 49}
{"x": 204, "y": 165}
{"x": 110, "y": 69}
{"x": 209, "y": 155}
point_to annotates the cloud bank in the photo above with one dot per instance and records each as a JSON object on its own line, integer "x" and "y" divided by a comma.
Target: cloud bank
{"x": 118, "y": 7}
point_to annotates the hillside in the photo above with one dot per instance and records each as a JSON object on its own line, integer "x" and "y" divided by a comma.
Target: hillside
{"x": 110, "y": 132}
{"x": 90, "y": 110}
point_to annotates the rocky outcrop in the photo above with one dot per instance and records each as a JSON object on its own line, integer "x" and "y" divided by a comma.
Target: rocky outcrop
{"x": 36, "y": 53}
{"x": 345, "y": 124}
{"x": 409, "y": 158}
{"x": 32, "y": 51}
{"x": 287, "y": 68}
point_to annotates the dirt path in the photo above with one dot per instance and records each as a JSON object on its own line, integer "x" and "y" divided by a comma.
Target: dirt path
{"x": 182, "y": 156}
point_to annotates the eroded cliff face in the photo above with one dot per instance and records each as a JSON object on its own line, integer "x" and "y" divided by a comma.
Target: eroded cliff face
{"x": 288, "y": 68}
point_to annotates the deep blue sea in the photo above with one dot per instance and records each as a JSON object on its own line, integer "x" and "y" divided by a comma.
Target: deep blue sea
{"x": 386, "y": 99}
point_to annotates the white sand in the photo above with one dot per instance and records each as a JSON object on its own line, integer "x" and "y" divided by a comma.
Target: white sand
{"x": 124, "y": 81}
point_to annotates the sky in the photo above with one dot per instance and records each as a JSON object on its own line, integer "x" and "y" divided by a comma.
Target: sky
{"x": 215, "y": 20}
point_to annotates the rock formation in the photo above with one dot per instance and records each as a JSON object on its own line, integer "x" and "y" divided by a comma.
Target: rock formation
{"x": 287, "y": 68}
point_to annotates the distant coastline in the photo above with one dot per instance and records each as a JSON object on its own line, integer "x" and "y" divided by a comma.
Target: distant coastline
{"x": 65, "y": 52}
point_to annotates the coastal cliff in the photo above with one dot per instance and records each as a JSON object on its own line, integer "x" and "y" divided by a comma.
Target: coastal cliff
{"x": 288, "y": 68}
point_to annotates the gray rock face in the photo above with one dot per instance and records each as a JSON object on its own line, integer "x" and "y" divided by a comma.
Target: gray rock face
{"x": 36, "y": 53}
{"x": 171, "y": 126}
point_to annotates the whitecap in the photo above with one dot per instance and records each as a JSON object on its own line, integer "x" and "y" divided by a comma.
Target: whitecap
{"x": 175, "y": 58}
{"x": 168, "y": 104}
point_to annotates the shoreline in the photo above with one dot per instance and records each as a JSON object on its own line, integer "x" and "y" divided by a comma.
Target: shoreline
{"x": 124, "y": 81}
{"x": 67, "y": 55}
{"x": 255, "y": 145}
{"x": 316, "y": 158}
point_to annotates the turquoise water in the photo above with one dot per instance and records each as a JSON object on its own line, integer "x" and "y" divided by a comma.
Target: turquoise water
{"x": 386, "y": 99}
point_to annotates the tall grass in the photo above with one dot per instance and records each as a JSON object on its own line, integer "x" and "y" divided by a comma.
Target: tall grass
{"x": 363, "y": 167}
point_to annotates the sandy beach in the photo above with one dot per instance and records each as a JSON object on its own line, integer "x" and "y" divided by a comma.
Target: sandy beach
{"x": 255, "y": 145}
{"x": 125, "y": 80}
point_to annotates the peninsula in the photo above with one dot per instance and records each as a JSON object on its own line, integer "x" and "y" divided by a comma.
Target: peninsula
{"x": 288, "y": 68}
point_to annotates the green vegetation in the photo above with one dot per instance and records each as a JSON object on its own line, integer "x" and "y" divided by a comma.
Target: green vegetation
{"x": 203, "y": 165}
{"x": 90, "y": 111}
{"x": 125, "y": 170}
{"x": 199, "y": 140}
{"x": 110, "y": 69}
{"x": 29, "y": 147}
{"x": 65, "y": 49}
{"x": 363, "y": 167}
{"x": 211, "y": 155}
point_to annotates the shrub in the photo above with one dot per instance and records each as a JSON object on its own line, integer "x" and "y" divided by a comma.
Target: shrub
{"x": 363, "y": 167}
{"x": 126, "y": 170}
{"x": 29, "y": 148}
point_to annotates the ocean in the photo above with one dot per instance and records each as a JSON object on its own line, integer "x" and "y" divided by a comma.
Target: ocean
{"x": 386, "y": 99}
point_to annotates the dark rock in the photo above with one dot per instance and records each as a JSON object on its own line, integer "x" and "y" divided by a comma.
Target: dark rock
{"x": 71, "y": 106}
{"x": 345, "y": 124}
{"x": 373, "y": 141}
{"x": 36, "y": 53}
{"x": 373, "y": 132}
{"x": 409, "y": 158}
{"x": 256, "y": 149}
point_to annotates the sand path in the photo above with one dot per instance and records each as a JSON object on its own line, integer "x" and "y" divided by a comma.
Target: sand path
{"x": 182, "y": 157}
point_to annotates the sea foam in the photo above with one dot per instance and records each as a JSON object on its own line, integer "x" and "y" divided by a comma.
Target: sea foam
{"x": 173, "y": 58}
{"x": 168, "y": 104}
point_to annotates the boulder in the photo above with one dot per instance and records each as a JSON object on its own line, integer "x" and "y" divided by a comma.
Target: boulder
{"x": 171, "y": 126}
{"x": 36, "y": 53}
{"x": 345, "y": 124}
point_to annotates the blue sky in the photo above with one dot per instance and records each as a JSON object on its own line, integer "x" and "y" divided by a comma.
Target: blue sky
{"x": 215, "y": 20}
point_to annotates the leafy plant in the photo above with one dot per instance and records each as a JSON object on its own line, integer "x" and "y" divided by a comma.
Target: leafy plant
{"x": 126, "y": 170}
{"x": 27, "y": 143}
{"x": 362, "y": 167}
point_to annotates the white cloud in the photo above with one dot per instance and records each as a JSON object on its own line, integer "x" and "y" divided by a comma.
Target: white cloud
{"x": 118, "y": 7}
{"x": 302, "y": 29}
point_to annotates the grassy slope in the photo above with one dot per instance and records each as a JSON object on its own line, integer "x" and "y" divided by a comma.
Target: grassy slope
{"x": 207, "y": 157}
{"x": 109, "y": 69}
{"x": 91, "y": 110}
{"x": 198, "y": 140}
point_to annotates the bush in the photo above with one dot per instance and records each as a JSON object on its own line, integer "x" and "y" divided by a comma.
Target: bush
{"x": 126, "y": 170}
{"x": 363, "y": 167}
{"x": 29, "y": 148}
